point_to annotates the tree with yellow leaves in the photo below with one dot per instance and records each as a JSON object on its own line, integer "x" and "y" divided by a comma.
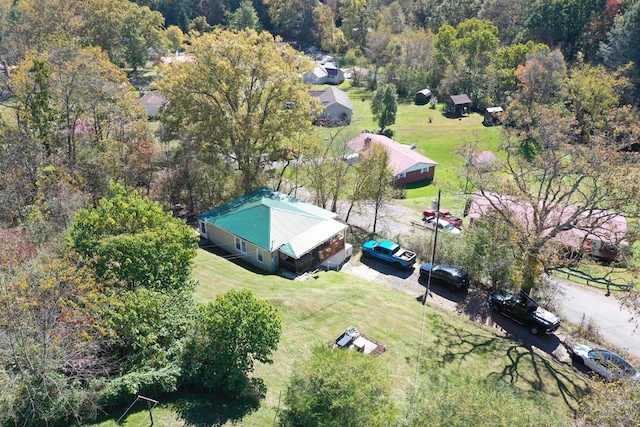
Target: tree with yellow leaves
{"x": 241, "y": 98}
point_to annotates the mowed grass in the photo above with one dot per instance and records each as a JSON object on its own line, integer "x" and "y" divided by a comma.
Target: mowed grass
{"x": 437, "y": 139}
{"x": 316, "y": 311}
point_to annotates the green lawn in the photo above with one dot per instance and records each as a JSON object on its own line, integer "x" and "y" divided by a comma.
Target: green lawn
{"x": 437, "y": 139}
{"x": 316, "y": 311}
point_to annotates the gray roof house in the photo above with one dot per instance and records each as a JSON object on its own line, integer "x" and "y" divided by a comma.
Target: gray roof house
{"x": 152, "y": 102}
{"x": 337, "y": 107}
{"x": 273, "y": 231}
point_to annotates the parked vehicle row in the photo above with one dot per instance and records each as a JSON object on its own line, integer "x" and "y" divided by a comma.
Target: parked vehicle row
{"x": 441, "y": 225}
{"x": 443, "y": 214}
{"x": 519, "y": 307}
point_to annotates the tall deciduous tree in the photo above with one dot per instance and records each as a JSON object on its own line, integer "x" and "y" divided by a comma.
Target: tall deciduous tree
{"x": 591, "y": 93}
{"x": 621, "y": 45}
{"x": 384, "y": 106}
{"x": 554, "y": 186}
{"x": 124, "y": 29}
{"x": 500, "y": 78}
{"x": 324, "y": 171}
{"x": 71, "y": 110}
{"x": 293, "y": 18}
{"x": 245, "y": 16}
{"x": 563, "y": 24}
{"x": 230, "y": 335}
{"x": 52, "y": 347}
{"x": 242, "y": 98}
{"x": 371, "y": 180}
{"x": 380, "y": 182}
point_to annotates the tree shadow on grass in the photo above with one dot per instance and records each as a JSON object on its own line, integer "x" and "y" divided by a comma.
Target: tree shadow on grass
{"x": 210, "y": 410}
{"x": 524, "y": 363}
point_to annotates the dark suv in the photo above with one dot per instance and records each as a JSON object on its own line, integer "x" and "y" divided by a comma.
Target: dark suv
{"x": 447, "y": 274}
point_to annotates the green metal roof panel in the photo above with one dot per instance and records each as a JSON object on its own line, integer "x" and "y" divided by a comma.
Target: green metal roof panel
{"x": 252, "y": 224}
{"x": 266, "y": 218}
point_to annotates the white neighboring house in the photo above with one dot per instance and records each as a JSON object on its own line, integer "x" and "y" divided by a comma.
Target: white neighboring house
{"x": 327, "y": 73}
{"x": 338, "y": 109}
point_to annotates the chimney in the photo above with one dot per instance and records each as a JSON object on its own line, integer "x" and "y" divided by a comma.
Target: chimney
{"x": 367, "y": 143}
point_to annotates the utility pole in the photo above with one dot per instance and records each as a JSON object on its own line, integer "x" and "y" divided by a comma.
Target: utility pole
{"x": 433, "y": 250}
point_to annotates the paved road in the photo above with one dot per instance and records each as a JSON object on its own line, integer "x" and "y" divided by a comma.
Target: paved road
{"x": 617, "y": 325}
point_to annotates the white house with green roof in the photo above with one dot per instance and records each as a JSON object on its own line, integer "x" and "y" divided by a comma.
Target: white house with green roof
{"x": 272, "y": 230}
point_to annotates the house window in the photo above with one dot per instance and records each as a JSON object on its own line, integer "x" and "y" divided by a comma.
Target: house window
{"x": 241, "y": 245}
{"x": 401, "y": 175}
{"x": 260, "y": 256}
{"x": 203, "y": 228}
{"x": 424, "y": 170}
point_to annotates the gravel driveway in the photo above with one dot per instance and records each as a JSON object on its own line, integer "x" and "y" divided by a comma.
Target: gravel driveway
{"x": 395, "y": 219}
{"x": 471, "y": 303}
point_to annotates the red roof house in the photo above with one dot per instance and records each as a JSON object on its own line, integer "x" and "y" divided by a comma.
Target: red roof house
{"x": 594, "y": 230}
{"x": 406, "y": 164}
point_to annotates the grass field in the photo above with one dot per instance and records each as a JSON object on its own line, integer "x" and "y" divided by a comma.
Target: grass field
{"x": 435, "y": 136}
{"x": 316, "y": 311}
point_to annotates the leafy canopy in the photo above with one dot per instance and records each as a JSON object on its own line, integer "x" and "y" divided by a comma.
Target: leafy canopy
{"x": 131, "y": 240}
{"x": 241, "y": 99}
{"x": 338, "y": 388}
{"x": 384, "y": 106}
{"x": 229, "y": 336}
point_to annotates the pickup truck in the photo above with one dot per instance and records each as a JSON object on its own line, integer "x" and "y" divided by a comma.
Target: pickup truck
{"x": 523, "y": 309}
{"x": 444, "y": 215}
{"x": 388, "y": 251}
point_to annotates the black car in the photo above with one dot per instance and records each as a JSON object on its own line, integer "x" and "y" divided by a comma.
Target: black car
{"x": 523, "y": 309}
{"x": 447, "y": 274}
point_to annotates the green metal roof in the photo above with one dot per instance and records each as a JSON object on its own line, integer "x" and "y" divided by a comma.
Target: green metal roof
{"x": 267, "y": 218}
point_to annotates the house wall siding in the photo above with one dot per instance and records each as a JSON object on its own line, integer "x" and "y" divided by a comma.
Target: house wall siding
{"x": 414, "y": 176}
{"x": 336, "y": 111}
{"x": 227, "y": 241}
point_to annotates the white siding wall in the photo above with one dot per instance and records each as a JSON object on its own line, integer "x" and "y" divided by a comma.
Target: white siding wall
{"x": 227, "y": 241}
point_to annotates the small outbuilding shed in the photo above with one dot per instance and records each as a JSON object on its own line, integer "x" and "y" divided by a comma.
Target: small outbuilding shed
{"x": 459, "y": 105}
{"x": 492, "y": 116}
{"x": 423, "y": 97}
